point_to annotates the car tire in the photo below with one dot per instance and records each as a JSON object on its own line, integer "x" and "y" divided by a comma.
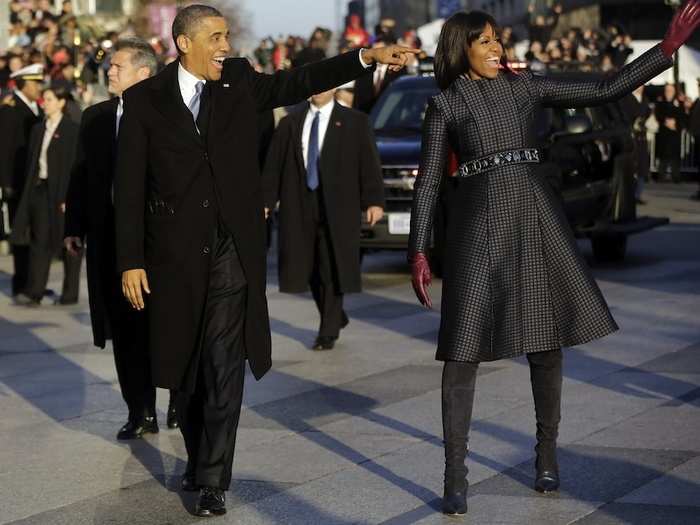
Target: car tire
{"x": 609, "y": 248}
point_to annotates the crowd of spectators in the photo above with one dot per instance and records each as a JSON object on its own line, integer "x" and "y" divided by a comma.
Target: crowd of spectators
{"x": 286, "y": 52}
{"x": 74, "y": 56}
{"x": 575, "y": 49}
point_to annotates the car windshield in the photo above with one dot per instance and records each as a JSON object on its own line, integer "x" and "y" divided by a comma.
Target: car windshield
{"x": 400, "y": 110}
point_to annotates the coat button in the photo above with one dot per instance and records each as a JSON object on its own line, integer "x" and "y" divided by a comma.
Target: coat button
{"x": 205, "y": 203}
{"x": 206, "y": 250}
{"x": 206, "y": 155}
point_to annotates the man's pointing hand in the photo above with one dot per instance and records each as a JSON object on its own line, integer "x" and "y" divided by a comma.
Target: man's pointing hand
{"x": 395, "y": 56}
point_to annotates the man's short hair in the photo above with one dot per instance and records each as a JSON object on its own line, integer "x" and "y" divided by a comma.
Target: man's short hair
{"x": 188, "y": 18}
{"x": 142, "y": 54}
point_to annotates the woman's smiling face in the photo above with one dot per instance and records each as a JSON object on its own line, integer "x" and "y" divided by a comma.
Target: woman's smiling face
{"x": 485, "y": 54}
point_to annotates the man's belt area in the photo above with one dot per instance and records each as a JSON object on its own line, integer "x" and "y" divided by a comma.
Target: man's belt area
{"x": 496, "y": 160}
{"x": 159, "y": 207}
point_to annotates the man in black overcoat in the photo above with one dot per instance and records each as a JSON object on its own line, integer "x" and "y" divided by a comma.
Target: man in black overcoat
{"x": 370, "y": 86}
{"x": 324, "y": 169}
{"x": 17, "y": 118}
{"x": 694, "y": 129}
{"x": 90, "y": 217}
{"x": 191, "y": 228}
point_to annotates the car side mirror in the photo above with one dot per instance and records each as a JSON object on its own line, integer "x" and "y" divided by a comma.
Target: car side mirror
{"x": 575, "y": 124}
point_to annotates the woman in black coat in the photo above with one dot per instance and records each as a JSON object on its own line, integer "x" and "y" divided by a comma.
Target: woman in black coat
{"x": 40, "y": 216}
{"x": 514, "y": 281}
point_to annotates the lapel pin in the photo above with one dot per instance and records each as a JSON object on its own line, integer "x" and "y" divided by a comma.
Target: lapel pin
{"x": 337, "y": 123}
{"x": 227, "y": 85}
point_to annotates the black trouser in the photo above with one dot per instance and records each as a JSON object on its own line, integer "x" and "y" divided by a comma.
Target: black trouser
{"x": 674, "y": 164}
{"x": 323, "y": 281}
{"x": 20, "y": 255}
{"x": 209, "y": 416}
{"x": 130, "y": 346}
{"x": 458, "y": 382}
{"x": 641, "y": 150}
{"x": 41, "y": 252}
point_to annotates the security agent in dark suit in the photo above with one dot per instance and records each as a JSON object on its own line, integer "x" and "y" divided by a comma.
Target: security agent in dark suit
{"x": 17, "y": 118}
{"x": 191, "y": 231}
{"x": 90, "y": 220}
{"x": 323, "y": 168}
{"x": 370, "y": 86}
{"x": 41, "y": 211}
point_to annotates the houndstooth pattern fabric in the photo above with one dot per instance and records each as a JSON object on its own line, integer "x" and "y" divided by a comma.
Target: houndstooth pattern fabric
{"x": 514, "y": 281}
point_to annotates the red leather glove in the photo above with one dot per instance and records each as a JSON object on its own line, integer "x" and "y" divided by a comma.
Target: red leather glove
{"x": 421, "y": 278}
{"x": 682, "y": 26}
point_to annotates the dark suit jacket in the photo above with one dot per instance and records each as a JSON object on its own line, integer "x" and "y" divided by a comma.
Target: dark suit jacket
{"x": 365, "y": 97}
{"x": 59, "y": 159}
{"x": 351, "y": 181}
{"x": 189, "y": 182}
{"x": 89, "y": 209}
{"x": 16, "y": 122}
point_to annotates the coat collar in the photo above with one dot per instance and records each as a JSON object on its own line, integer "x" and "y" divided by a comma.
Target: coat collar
{"x": 167, "y": 99}
{"x": 333, "y": 140}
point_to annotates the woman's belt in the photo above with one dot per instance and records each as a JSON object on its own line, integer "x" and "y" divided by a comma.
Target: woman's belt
{"x": 502, "y": 158}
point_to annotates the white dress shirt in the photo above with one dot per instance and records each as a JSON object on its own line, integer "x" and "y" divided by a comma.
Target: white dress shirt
{"x": 46, "y": 141}
{"x": 31, "y": 105}
{"x": 120, "y": 112}
{"x": 188, "y": 84}
{"x": 379, "y": 75}
{"x": 323, "y": 120}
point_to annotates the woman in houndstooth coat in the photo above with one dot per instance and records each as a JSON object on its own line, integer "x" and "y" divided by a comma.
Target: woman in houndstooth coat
{"x": 514, "y": 281}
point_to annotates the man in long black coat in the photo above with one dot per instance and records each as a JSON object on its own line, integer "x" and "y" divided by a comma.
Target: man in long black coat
{"x": 370, "y": 86}
{"x": 90, "y": 217}
{"x": 319, "y": 239}
{"x": 191, "y": 229}
{"x": 17, "y": 118}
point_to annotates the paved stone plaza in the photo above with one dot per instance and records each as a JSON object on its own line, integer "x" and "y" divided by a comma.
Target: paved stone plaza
{"x": 354, "y": 435}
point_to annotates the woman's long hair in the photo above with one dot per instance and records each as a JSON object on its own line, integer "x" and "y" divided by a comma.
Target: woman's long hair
{"x": 458, "y": 33}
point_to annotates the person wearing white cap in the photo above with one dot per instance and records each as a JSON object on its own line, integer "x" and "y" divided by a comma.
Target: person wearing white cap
{"x": 17, "y": 117}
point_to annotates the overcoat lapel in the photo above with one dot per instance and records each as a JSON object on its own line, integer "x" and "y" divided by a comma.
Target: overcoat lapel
{"x": 330, "y": 154}
{"x": 473, "y": 100}
{"x": 298, "y": 135}
{"x": 167, "y": 99}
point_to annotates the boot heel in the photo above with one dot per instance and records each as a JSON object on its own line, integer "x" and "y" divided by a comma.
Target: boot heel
{"x": 547, "y": 477}
{"x": 454, "y": 504}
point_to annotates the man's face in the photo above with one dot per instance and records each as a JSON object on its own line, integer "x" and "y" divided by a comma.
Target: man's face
{"x": 322, "y": 99}
{"x": 32, "y": 90}
{"x": 669, "y": 91}
{"x": 123, "y": 74}
{"x": 204, "y": 51}
{"x": 16, "y": 64}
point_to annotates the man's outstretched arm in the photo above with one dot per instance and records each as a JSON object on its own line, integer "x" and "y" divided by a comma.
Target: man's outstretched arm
{"x": 286, "y": 88}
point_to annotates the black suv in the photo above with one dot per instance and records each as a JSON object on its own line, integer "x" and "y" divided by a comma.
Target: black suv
{"x": 587, "y": 157}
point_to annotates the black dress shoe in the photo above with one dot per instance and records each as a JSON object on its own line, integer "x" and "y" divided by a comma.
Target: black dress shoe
{"x": 22, "y": 299}
{"x": 212, "y": 502}
{"x": 547, "y": 481}
{"x": 134, "y": 430}
{"x": 188, "y": 483}
{"x": 172, "y": 417}
{"x": 324, "y": 342}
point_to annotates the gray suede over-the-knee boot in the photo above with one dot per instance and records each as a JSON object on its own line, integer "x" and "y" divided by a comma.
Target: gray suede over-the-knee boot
{"x": 458, "y": 381}
{"x": 546, "y": 379}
